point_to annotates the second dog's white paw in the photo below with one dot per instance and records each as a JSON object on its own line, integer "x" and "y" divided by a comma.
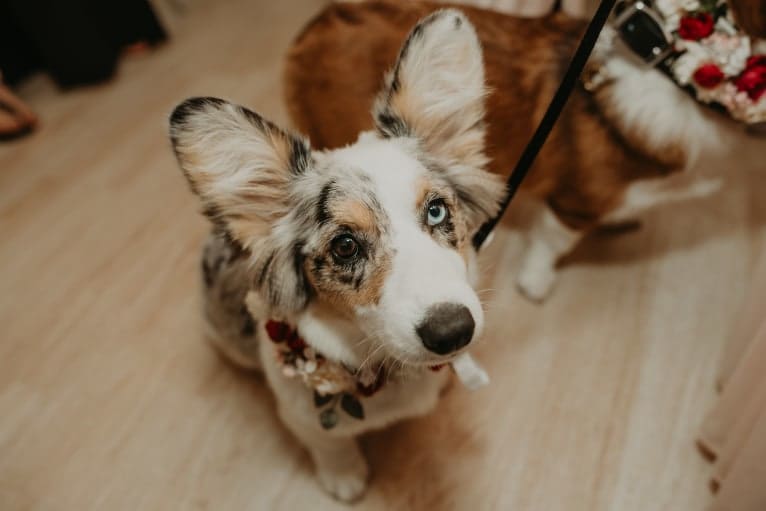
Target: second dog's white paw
{"x": 536, "y": 283}
{"x": 346, "y": 485}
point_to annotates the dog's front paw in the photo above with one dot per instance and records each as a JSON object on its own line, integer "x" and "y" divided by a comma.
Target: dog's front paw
{"x": 347, "y": 484}
{"x": 536, "y": 281}
{"x": 338, "y": 462}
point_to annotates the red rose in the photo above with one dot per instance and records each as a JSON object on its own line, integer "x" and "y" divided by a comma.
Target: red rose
{"x": 753, "y": 78}
{"x": 708, "y": 76}
{"x": 696, "y": 26}
{"x": 295, "y": 342}
{"x": 277, "y": 330}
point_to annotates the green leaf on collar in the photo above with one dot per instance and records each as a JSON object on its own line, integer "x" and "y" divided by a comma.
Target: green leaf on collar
{"x": 328, "y": 418}
{"x": 352, "y": 406}
{"x": 708, "y": 5}
{"x": 322, "y": 399}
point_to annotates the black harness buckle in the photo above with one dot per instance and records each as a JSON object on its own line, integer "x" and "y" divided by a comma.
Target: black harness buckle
{"x": 640, "y": 27}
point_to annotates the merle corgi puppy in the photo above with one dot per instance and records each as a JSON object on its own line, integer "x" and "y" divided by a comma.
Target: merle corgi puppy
{"x": 346, "y": 275}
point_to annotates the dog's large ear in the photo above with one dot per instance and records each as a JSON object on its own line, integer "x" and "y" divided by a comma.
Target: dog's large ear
{"x": 435, "y": 93}
{"x": 238, "y": 163}
{"x": 241, "y": 166}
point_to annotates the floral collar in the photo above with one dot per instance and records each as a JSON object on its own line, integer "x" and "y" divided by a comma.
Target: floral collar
{"x": 332, "y": 382}
{"x": 716, "y": 59}
{"x": 708, "y": 56}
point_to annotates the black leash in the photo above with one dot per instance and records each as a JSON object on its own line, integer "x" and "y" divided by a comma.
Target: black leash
{"x": 540, "y": 135}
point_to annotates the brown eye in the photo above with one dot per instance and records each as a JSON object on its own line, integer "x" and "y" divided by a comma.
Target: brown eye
{"x": 345, "y": 247}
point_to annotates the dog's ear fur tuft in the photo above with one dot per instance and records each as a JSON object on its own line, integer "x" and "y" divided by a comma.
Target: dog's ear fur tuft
{"x": 238, "y": 163}
{"x": 435, "y": 93}
{"x": 479, "y": 193}
{"x": 242, "y": 166}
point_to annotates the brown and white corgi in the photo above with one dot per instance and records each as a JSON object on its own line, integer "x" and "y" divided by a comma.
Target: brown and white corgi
{"x": 635, "y": 141}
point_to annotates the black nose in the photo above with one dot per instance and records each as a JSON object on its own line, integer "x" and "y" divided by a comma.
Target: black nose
{"x": 447, "y": 327}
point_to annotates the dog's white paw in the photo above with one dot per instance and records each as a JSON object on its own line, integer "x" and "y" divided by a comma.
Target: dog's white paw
{"x": 536, "y": 282}
{"x": 346, "y": 485}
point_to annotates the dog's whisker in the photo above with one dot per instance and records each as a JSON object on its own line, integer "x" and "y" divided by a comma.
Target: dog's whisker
{"x": 370, "y": 356}
{"x": 488, "y": 305}
{"x": 369, "y": 339}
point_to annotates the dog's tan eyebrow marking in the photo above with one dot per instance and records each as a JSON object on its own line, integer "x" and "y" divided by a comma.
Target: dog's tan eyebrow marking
{"x": 355, "y": 214}
{"x": 424, "y": 187}
{"x": 429, "y": 189}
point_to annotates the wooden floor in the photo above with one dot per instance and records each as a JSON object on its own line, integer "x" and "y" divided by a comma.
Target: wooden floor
{"x": 109, "y": 399}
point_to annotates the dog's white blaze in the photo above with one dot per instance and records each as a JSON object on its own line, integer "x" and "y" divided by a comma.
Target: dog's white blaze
{"x": 423, "y": 272}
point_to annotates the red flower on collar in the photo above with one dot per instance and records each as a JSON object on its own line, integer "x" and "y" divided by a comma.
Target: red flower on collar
{"x": 277, "y": 330}
{"x": 753, "y": 78}
{"x": 708, "y": 76}
{"x": 696, "y": 26}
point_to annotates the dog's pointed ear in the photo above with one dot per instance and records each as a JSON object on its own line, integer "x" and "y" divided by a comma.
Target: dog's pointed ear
{"x": 238, "y": 163}
{"x": 242, "y": 167}
{"x": 435, "y": 93}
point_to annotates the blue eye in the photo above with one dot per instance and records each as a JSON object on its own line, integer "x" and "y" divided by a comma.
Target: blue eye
{"x": 437, "y": 212}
